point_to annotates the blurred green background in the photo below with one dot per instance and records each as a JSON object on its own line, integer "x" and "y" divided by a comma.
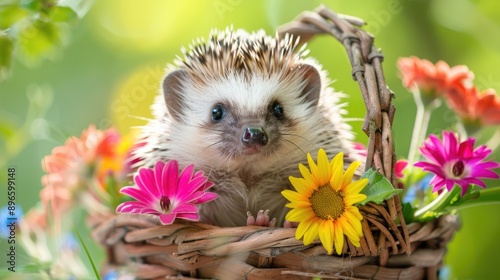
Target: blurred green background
{"x": 111, "y": 61}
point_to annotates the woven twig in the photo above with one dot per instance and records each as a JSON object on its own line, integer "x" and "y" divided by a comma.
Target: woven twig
{"x": 197, "y": 250}
{"x": 201, "y": 250}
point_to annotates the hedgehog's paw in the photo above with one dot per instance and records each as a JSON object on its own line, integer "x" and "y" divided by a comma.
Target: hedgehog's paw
{"x": 261, "y": 220}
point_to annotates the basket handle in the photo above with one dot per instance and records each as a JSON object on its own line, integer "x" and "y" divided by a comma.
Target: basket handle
{"x": 366, "y": 62}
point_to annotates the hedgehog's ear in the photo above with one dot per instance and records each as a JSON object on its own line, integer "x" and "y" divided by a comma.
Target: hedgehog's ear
{"x": 312, "y": 80}
{"x": 172, "y": 87}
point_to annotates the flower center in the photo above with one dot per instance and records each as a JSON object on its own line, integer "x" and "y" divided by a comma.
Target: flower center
{"x": 164, "y": 203}
{"x": 458, "y": 168}
{"x": 327, "y": 203}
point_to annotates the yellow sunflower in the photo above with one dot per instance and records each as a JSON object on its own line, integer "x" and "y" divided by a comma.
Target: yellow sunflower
{"x": 323, "y": 202}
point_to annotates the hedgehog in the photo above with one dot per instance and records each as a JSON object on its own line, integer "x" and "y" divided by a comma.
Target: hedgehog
{"x": 245, "y": 108}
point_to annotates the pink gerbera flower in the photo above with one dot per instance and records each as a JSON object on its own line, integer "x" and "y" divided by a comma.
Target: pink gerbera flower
{"x": 400, "y": 167}
{"x": 162, "y": 191}
{"x": 456, "y": 163}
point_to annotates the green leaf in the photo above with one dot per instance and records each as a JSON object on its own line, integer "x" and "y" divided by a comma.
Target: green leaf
{"x": 63, "y": 14}
{"x": 39, "y": 40}
{"x": 6, "y": 47}
{"x": 408, "y": 212}
{"x": 10, "y": 15}
{"x": 89, "y": 256}
{"x": 38, "y": 6}
{"x": 378, "y": 188}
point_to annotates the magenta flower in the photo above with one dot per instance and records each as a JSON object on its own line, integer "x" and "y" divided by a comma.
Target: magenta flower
{"x": 400, "y": 167}
{"x": 456, "y": 163}
{"x": 162, "y": 191}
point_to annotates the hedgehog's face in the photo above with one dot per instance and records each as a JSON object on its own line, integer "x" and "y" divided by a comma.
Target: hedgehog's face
{"x": 244, "y": 120}
{"x": 242, "y": 134}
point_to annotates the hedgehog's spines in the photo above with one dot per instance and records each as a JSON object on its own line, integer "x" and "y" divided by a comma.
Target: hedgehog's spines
{"x": 237, "y": 50}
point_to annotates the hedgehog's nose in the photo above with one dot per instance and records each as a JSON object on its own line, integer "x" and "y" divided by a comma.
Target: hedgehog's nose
{"x": 254, "y": 136}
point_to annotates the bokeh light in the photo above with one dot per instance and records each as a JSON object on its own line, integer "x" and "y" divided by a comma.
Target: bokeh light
{"x": 131, "y": 101}
{"x": 146, "y": 26}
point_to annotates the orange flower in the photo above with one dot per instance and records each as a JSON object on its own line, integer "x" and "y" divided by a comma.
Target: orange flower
{"x": 432, "y": 79}
{"x": 69, "y": 167}
{"x": 475, "y": 107}
{"x": 66, "y": 165}
{"x": 116, "y": 154}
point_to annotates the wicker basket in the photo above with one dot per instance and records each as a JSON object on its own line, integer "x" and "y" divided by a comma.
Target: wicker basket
{"x": 390, "y": 249}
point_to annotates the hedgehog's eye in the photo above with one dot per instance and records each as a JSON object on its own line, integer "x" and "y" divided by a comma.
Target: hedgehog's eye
{"x": 218, "y": 112}
{"x": 277, "y": 110}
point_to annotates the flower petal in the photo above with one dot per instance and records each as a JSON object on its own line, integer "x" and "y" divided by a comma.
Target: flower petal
{"x": 144, "y": 211}
{"x": 438, "y": 170}
{"x": 294, "y": 196}
{"x": 206, "y": 186}
{"x": 185, "y": 208}
{"x": 476, "y": 182}
{"x": 303, "y": 227}
{"x": 338, "y": 237}
{"x": 193, "y": 186}
{"x": 354, "y": 198}
{"x": 481, "y": 170}
{"x": 188, "y": 199}
{"x": 349, "y": 230}
{"x": 399, "y": 167}
{"x": 170, "y": 177}
{"x": 349, "y": 173}
{"x": 146, "y": 182}
{"x": 356, "y": 187}
{"x": 159, "y": 178}
{"x": 299, "y": 214}
{"x": 137, "y": 194}
{"x": 355, "y": 222}
{"x": 466, "y": 149}
{"x": 451, "y": 142}
{"x": 304, "y": 171}
{"x": 189, "y": 216}
{"x": 298, "y": 204}
{"x": 206, "y": 197}
{"x": 186, "y": 175}
{"x": 326, "y": 235}
{"x": 128, "y": 206}
{"x": 167, "y": 219}
{"x": 324, "y": 171}
{"x": 314, "y": 170}
{"x": 302, "y": 186}
{"x": 450, "y": 184}
{"x": 354, "y": 211}
{"x": 337, "y": 166}
{"x": 312, "y": 233}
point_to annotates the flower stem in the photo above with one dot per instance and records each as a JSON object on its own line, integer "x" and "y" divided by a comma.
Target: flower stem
{"x": 494, "y": 141}
{"x": 433, "y": 205}
{"x": 422, "y": 119}
{"x": 440, "y": 205}
{"x": 482, "y": 197}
